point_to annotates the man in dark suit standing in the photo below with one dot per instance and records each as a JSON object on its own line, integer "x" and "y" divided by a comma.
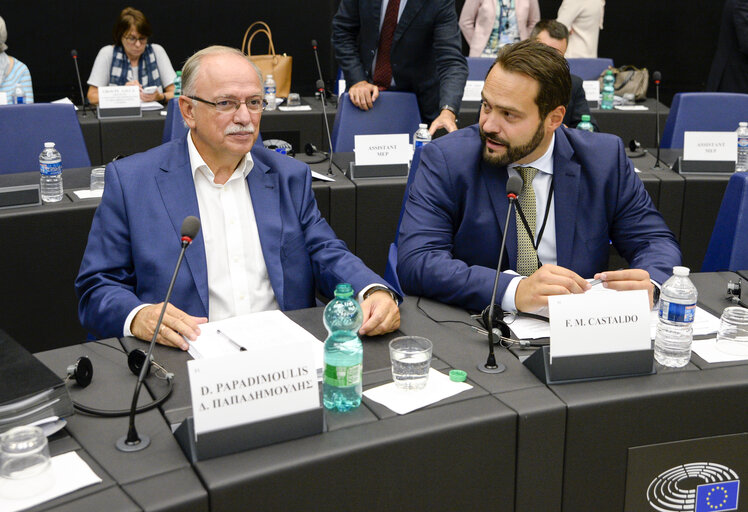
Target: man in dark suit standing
{"x": 402, "y": 45}
{"x": 730, "y": 66}
{"x": 580, "y": 193}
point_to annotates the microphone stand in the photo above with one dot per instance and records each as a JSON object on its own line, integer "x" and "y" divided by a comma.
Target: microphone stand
{"x": 132, "y": 442}
{"x": 84, "y": 100}
{"x": 657, "y": 117}
{"x": 321, "y": 89}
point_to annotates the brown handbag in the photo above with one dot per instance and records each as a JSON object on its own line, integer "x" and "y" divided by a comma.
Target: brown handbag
{"x": 629, "y": 79}
{"x": 270, "y": 64}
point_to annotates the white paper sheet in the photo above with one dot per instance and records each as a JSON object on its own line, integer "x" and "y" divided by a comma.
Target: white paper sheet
{"x": 709, "y": 352}
{"x": 296, "y": 108}
{"x": 401, "y": 401}
{"x": 70, "y": 473}
{"x": 85, "y": 193}
{"x": 631, "y": 107}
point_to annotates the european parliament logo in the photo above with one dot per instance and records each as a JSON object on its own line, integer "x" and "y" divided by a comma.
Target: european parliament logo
{"x": 695, "y": 487}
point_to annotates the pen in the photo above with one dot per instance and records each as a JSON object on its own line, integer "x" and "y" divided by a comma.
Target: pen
{"x": 598, "y": 281}
{"x": 226, "y": 337}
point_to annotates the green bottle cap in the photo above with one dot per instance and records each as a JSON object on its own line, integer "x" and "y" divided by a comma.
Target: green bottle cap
{"x": 457, "y": 375}
{"x": 343, "y": 290}
{"x": 586, "y": 117}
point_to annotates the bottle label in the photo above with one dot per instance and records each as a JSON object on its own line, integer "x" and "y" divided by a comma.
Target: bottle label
{"x": 51, "y": 169}
{"x": 420, "y": 143}
{"x": 342, "y": 376}
{"x": 269, "y": 90}
{"x": 742, "y": 142}
{"x": 682, "y": 313}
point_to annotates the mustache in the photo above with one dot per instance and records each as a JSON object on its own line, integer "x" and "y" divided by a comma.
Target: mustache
{"x": 494, "y": 138}
{"x": 239, "y": 128}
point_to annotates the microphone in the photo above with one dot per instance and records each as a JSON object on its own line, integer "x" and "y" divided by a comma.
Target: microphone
{"x": 316, "y": 58}
{"x": 513, "y": 188}
{"x": 132, "y": 442}
{"x": 321, "y": 89}
{"x": 84, "y": 100}
{"x": 657, "y": 77}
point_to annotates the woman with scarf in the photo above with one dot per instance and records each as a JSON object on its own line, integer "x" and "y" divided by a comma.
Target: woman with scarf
{"x": 13, "y": 72}
{"x": 133, "y": 61}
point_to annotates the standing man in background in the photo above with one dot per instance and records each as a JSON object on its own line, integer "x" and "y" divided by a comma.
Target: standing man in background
{"x": 402, "y": 45}
{"x": 729, "y": 71}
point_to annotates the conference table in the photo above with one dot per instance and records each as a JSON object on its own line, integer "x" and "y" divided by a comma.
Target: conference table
{"x": 511, "y": 443}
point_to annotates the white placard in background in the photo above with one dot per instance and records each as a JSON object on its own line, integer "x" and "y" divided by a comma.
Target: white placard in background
{"x": 115, "y": 96}
{"x": 257, "y": 384}
{"x": 713, "y": 146}
{"x": 382, "y": 149}
{"x": 3, "y": 98}
{"x": 591, "y": 90}
{"x": 597, "y": 323}
{"x": 473, "y": 90}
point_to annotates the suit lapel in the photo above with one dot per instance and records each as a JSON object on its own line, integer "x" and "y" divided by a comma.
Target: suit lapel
{"x": 566, "y": 172}
{"x": 265, "y": 194}
{"x": 410, "y": 11}
{"x": 495, "y": 181}
{"x": 177, "y": 189}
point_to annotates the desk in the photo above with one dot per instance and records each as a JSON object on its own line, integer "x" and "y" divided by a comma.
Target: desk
{"x": 627, "y": 124}
{"x": 39, "y": 307}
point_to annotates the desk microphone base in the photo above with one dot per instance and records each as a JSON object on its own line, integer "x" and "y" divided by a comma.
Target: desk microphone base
{"x": 589, "y": 367}
{"x": 123, "y": 446}
{"x": 499, "y": 368}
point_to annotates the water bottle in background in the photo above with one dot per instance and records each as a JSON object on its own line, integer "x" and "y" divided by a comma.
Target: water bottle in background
{"x": 742, "y": 163}
{"x": 18, "y": 96}
{"x": 422, "y": 136}
{"x": 344, "y": 353}
{"x": 675, "y": 325}
{"x": 270, "y": 93}
{"x": 585, "y": 124}
{"x": 608, "y": 90}
{"x": 178, "y": 85}
{"x": 50, "y": 167}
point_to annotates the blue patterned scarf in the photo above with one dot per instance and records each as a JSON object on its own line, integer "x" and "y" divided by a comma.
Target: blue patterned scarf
{"x": 147, "y": 67}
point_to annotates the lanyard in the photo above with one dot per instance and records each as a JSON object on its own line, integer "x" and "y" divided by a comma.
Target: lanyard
{"x": 536, "y": 244}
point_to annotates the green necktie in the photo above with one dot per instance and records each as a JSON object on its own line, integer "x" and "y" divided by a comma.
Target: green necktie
{"x": 527, "y": 257}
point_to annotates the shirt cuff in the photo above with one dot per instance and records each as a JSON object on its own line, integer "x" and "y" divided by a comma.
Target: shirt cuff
{"x": 360, "y": 296}
{"x": 507, "y": 301}
{"x": 128, "y": 321}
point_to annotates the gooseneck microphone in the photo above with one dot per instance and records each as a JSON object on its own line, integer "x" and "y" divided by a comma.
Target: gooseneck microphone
{"x": 84, "y": 100}
{"x": 657, "y": 77}
{"x": 513, "y": 188}
{"x": 321, "y": 89}
{"x": 132, "y": 442}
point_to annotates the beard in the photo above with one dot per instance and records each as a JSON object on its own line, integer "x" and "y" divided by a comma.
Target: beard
{"x": 512, "y": 153}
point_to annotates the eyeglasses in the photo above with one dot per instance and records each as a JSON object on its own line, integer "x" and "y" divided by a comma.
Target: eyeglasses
{"x": 254, "y": 104}
{"x": 133, "y": 39}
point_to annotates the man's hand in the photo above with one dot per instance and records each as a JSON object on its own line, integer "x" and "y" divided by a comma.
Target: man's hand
{"x": 630, "y": 279}
{"x": 381, "y": 314}
{"x": 176, "y": 323}
{"x": 363, "y": 94}
{"x": 446, "y": 120}
{"x": 532, "y": 293}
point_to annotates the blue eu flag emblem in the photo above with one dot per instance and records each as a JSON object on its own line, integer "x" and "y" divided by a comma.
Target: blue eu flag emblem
{"x": 717, "y": 496}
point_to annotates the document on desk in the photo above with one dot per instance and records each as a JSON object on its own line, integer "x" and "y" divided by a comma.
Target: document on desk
{"x": 438, "y": 387}
{"x": 255, "y": 330}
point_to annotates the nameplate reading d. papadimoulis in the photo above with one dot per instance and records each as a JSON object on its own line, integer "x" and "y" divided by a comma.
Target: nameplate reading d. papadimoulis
{"x": 598, "y": 323}
{"x": 126, "y": 96}
{"x": 252, "y": 385}
{"x": 382, "y": 149}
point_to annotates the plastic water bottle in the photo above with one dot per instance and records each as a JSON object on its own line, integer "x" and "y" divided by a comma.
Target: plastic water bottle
{"x": 675, "y": 326}
{"x": 50, "y": 167}
{"x": 270, "y": 93}
{"x": 422, "y": 136}
{"x": 742, "y": 163}
{"x": 608, "y": 91}
{"x": 585, "y": 124}
{"x": 19, "y": 96}
{"x": 178, "y": 85}
{"x": 344, "y": 353}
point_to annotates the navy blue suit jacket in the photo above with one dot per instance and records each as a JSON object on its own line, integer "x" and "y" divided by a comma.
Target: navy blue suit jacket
{"x": 134, "y": 240}
{"x": 426, "y": 52}
{"x": 451, "y": 230}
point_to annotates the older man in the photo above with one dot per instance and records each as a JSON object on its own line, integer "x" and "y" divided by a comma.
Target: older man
{"x": 580, "y": 192}
{"x": 263, "y": 244}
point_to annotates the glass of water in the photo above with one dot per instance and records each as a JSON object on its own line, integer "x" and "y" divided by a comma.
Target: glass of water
{"x": 97, "y": 178}
{"x": 411, "y": 360}
{"x": 25, "y": 468}
{"x": 732, "y": 337}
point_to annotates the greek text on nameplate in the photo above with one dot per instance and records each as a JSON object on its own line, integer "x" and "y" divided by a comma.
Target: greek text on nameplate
{"x": 719, "y": 146}
{"x": 382, "y": 149}
{"x": 114, "y": 96}
{"x": 252, "y": 385}
{"x": 598, "y": 323}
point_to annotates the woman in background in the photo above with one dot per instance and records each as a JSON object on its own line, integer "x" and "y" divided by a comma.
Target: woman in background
{"x": 13, "y": 72}
{"x": 584, "y": 19}
{"x": 131, "y": 60}
{"x": 490, "y": 24}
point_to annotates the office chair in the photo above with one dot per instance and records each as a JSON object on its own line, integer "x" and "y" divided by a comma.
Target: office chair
{"x": 393, "y": 112}
{"x": 478, "y": 67}
{"x": 390, "y": 271}
{"x": 703, "y": 111}
{"x": 589, "y": 69}
{"x": 728, "y": 247}
{"x": 174, "y": 126}
{"x": 25, "y": 128}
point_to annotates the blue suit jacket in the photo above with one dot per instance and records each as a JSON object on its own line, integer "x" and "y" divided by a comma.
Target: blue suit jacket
{"x": 135, "y": 238}
{"x": 451, "y": 230}
{"x": 426, "y": 50}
